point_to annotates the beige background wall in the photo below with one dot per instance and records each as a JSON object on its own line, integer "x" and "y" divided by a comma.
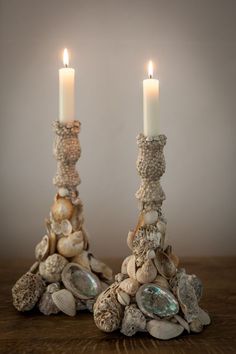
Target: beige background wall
{"x": 194, "y": 44}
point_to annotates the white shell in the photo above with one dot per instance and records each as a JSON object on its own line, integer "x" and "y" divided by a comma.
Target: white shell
{"x": 131, "y": 267}
{"x": 130, "y": 238}
{"x": 150, "y": 217}
{"x": 56, "y": 227}
{"x": 130, "y": 286}
{"x": 42, "y": 249}
{"x": 164, "y": 329}
{"x": 63, "y": 192}
{"x": 101, "y": 268}
{"x": 203, "y": 317}
{"x": 82, "y": 259}
{"x": 123, "y": 297}
{"x": 66, "y": 227}
{"x": 147, "y": 273}
{"x": 65, "y": 301}
{"x": 182, "y": 322}
{"x": 52, "y": 267}
{"x": 161, "y": 227}
{"x": 124, "y": 265}
{"x": 70, "y": 246}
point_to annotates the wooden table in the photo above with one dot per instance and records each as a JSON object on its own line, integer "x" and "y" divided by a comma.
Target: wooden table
{"x": 35, "y": 333}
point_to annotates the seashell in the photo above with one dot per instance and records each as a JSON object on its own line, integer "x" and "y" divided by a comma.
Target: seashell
{"x": 123, "y": 297}
{"x": 161, "y": 227}
{"x": 66, "y": 227}
{"x": 131, "y": 267}
{"x": 175, "y": 259}
{"x": 42, "y": 249}
{"x": 101, "y": 269}
{"x": 56, "y": 227}
{"x": 53, "y": 287}
{"x": 65, "y": 301}
{"x": 150, "y": 217}
{"x": 154, "y": 300}
{"x": 182, "y": 322}
{"x": 89, "y": 304}
{"x": 196, "y": 284}
{"x": 151, "y": 254}
{"x": 34, "y": 267}
{"x": 130, "y": 238}
{"x": 46, "y": 304}
{"x": 63, "y": 192}
{"x": 130, "y": 286}
{"x": 52, "y": 267}
{"x": 196, "y": 326}
{"x": 77, "y": 218}
{"x": 120, "y": 276}
{"x": 124, "y": 265}
{"x": 164, "y": 329}
{"x": 80, "y": 305}
{"x": 133, "y": 321}
{"x": 27, "y": 291}
{"x": 203, "y": 317}
{"x": 82, "y": 259}
{"x": 70, "y": 246}
{"x": 163, "y": 282}
{"x": 164, "y": 265}
{"x": 107, "y": 310}
{"x": 85, "y": 238}
{"x": 52, "y": 243}
{"x": 147, "y": 273}
{"x": 82, "y": 283}
{"x": 62, "y": 209}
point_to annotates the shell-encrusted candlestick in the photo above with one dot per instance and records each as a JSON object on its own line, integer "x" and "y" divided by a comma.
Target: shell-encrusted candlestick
{"x": 151, "y": 293}
{"x": 66, "y": 276}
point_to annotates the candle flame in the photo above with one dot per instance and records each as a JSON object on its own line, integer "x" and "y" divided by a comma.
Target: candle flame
{"x": 150, "y": 69}
{"x": 66, "y": 57}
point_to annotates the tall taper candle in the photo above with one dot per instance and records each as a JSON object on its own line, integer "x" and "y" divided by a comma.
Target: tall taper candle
{"x": 66, "y": 91}
{"x": 151, "y": 112}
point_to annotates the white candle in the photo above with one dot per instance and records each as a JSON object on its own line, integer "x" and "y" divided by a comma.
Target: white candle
{"x": 151, "y": 113}
{"x": 66, "y": 91}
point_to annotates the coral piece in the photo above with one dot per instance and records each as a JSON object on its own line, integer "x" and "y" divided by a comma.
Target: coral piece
{"x": 152, "y": 293}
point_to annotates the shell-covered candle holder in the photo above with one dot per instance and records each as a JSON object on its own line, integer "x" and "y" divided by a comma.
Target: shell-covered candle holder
{"x": 66, "y": 277}
{"x": 151, "y": 293}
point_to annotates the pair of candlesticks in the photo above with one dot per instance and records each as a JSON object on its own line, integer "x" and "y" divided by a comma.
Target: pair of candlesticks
{"x": 150, "y": 294}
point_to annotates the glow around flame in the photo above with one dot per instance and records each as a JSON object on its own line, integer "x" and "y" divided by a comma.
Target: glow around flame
{"x": 150, "y": 69}
{"x": 66, "y": 57}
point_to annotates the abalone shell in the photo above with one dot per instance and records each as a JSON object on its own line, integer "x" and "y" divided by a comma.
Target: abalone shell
{"x": 154, "y": 300}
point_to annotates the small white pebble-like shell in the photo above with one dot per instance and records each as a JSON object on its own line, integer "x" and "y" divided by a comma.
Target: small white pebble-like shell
{"x": 63, "y": 192}
{"x": 161, "y": 227}
{"x": 123, "y": 297}
{"x": 147, "y": 273}
{"x": 66, "y": 227}
{"x": 164, "y": 329}
{"x": 124, "y": 265}
{"x": 130, "y": 286}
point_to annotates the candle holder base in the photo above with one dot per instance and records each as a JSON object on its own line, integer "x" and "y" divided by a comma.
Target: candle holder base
{"x": 151, "y": 293}
{"x": 66, "y": 276}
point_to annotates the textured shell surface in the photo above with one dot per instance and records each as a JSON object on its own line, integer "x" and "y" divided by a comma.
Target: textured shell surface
{"x": 62, "y": 209}
{"x": 107, "y": 310}
{"x": 156, "y": 301}
{"x": 164, "y": 329}
{"x": 52, "y": 267}
{"x": 46, "y": 304}
{"x": 145, "y": 240}
{"x": 53, "y": 287}
{"x": 82, "y": 283}
{"x": 66, "y": 227}
{"x": 164, "y": 265}
{"x": 82, "y": 259}
{"x": 101, "y": 269}
{"x": 65, "y": 301}
{"x": 42, "y": 249}
{"x": 160, "y": 280}
{"x": 196, "y": 284}
{"x": 70, "y": 246}
{"x": 147, "y": 273}
{"x": 63, "y": 192}
{"x": 124, "y": 264}
{"x": 131, "y": 267}
{"x": 123, "y": 297}
{"x": 130, "y": 286}
{"x": 27, "y": 291}
{"x": 133, "y": 321}
{"x": 150, "y": 217}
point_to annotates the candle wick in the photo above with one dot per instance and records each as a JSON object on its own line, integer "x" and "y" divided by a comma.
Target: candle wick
{"x": 150, "y": 76}
{"x": 66, "y": 66}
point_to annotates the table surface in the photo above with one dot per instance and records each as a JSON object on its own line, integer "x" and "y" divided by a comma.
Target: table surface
{"x": 35, "y": 333}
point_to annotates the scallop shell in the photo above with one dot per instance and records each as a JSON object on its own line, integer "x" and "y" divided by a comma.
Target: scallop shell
{"x": 130, "y": 286}
{"x": 133, "y": 321}
{"x": 130, "y": 238}
{"x": 131, "y": 267}
{"x": 160, "y": 280}
{"x": 101, "y": 269}
{"x": 27, "y": 291}
{"x": 65, "y": 301}
{"x": 66, "y": 227}
{"x": 150, "y": 217}
{"x": 107, "y": 310}
{"x": 70, "y": 246}
{"x": 147, "y": 273}
{"x": 52, "y": 267}
{"x": 42, "y": 249}
{"x": 82, "y": 283}
{"x": 123, "y": 297}
{"x": 164, "y": 329}
{"x": 124, "y": 265}
{"x": 164, "y": 265}
{"x": 62, "y": 209}
{"x": 82, "y": 259}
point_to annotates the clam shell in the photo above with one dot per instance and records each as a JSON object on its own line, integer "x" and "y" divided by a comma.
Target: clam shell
{"x": 131, "y": 267}
{"x": 101, "y": 269}
{"x": 164, "y": 265}
{"x": 82, "y": 283}
{"x": 130, "y": 286}
{"x": 124, "y": 265}
{"x": 164, "y": 329}
{"x": 123, "y": 297}
{"x": 82, "y": 259}
{"x": 150, "y": 217}
{"x": 62, "y": 209}
{"x": 65, "y": 301}
{"x": 70, "y": 246}
{"x": 66, "y": 227}
{"x": 147, "y": 273}
{"x": 42, "y": 249}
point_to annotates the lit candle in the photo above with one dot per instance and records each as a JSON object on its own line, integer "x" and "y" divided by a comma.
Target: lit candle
{"x": 66, "y": 91}
{"x": 151, "y": 113}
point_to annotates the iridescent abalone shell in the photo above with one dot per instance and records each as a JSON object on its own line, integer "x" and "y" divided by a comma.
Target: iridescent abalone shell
{"x": 154, "y": 300}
